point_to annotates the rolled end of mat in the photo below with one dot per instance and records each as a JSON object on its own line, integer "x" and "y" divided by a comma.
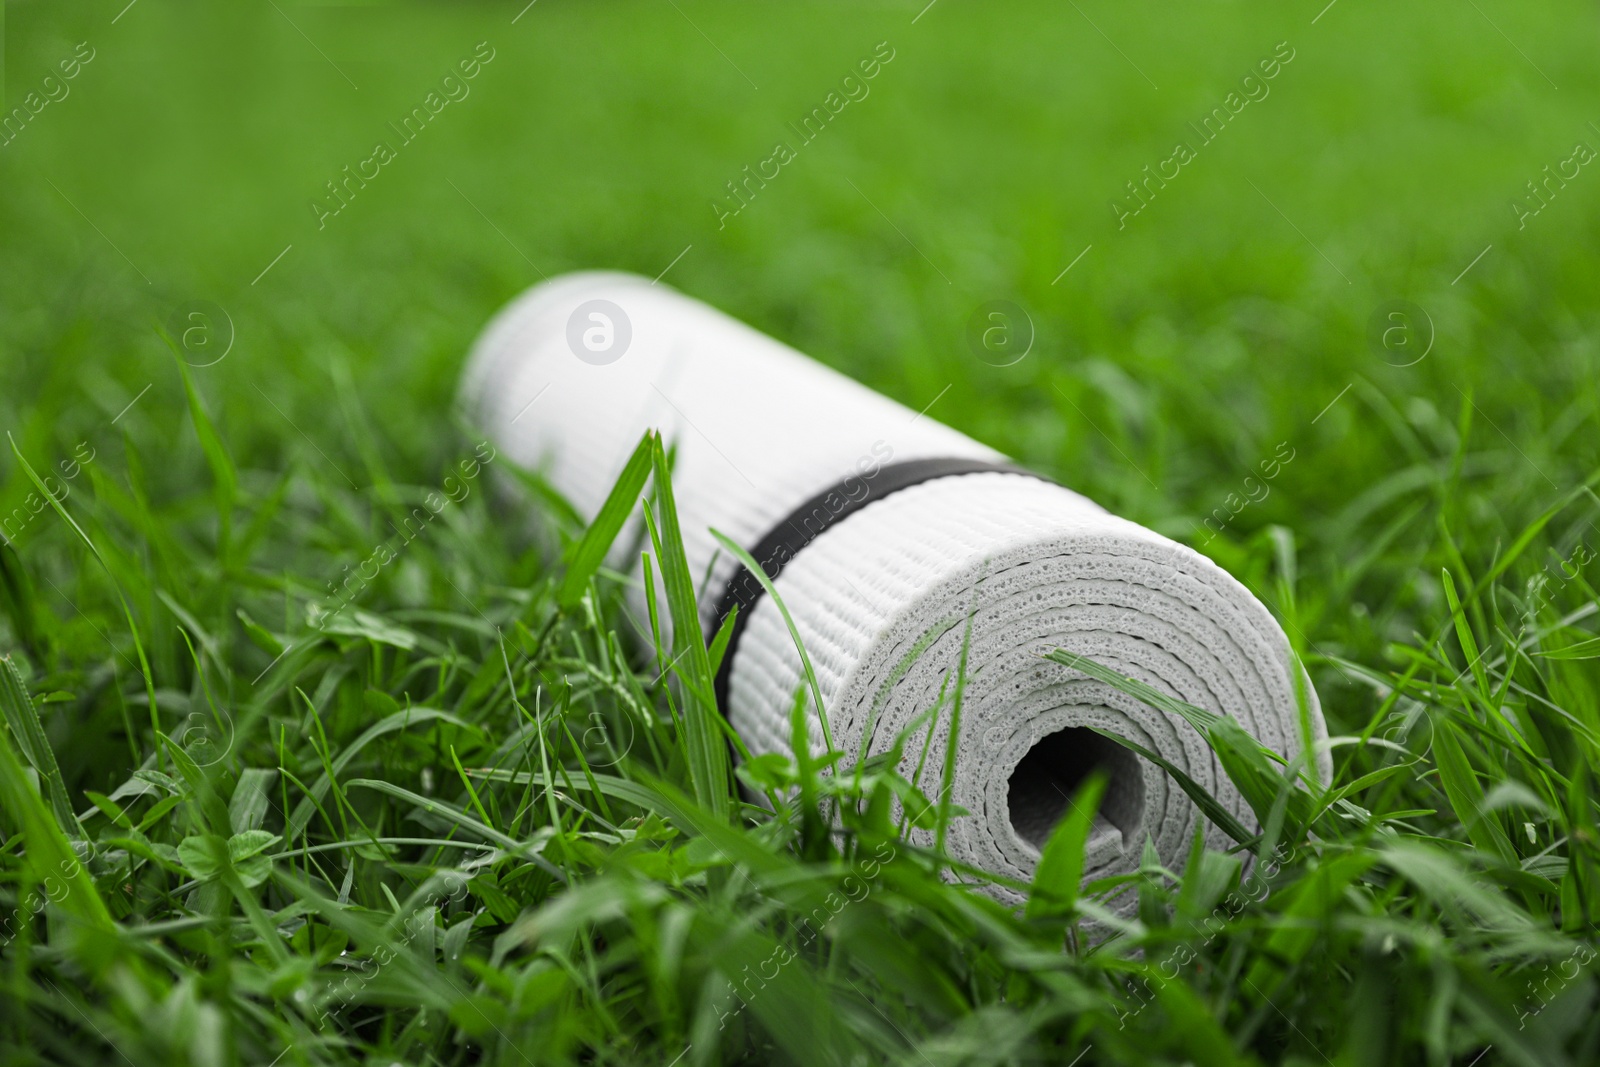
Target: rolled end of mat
{"x": 897, "y": 569}
{"x": 883, "y": 603}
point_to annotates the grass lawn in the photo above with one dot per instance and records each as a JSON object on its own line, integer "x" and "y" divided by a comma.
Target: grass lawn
{"x": 459, "y": 826}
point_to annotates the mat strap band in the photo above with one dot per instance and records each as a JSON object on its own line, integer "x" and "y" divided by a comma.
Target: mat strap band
{"x": 807, "y": 522}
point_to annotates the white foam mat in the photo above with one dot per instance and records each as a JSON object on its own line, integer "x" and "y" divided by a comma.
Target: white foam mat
{"x": 883, "y": 597}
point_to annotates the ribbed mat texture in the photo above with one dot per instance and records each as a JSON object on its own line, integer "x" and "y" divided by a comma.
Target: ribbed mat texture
{"x": 882, "y": 599}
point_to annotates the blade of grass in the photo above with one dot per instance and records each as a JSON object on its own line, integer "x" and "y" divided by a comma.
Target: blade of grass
{"x": 1249, "y": 765}
{"x": 590, "y": 552}
{"x": 518, "y": 849}
{"x": 1469, "y": 645}
{"x": 1210, "y": 805}
{"x": 947, "y": 775}
{"x": 771, "y": 590}
{"x": 1057, "y": 878}
{"x": 23, "y": 718}
{"x": 225, "y": 479}
{"x": 707, "y": 756}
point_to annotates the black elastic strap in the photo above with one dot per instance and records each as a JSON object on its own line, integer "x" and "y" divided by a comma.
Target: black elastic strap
{"x": 833, "y": 505}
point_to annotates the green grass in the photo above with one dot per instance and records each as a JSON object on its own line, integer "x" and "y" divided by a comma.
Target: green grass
{"x": 465, "y": 821}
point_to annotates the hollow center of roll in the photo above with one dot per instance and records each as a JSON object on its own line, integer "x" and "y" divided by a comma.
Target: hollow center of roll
{"x": 1042, "y": 785}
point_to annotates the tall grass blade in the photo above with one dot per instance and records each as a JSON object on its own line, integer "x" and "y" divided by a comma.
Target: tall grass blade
{"x": 1060, "y": 871}
{"x": 1249, "y": 764}
{"x": 225, "y": 478}
{"x": 23, "y": 719}
{"x": 707, "y": 755}
{"x": 771, "y": 590}
{"x": 590, "y": 552}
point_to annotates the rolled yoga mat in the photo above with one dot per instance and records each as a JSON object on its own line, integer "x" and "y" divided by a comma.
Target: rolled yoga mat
{"x": 892, "y": 531}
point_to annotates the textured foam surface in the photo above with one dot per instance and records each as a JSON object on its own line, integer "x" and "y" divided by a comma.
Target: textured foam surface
{"x": 882, "y": 598}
